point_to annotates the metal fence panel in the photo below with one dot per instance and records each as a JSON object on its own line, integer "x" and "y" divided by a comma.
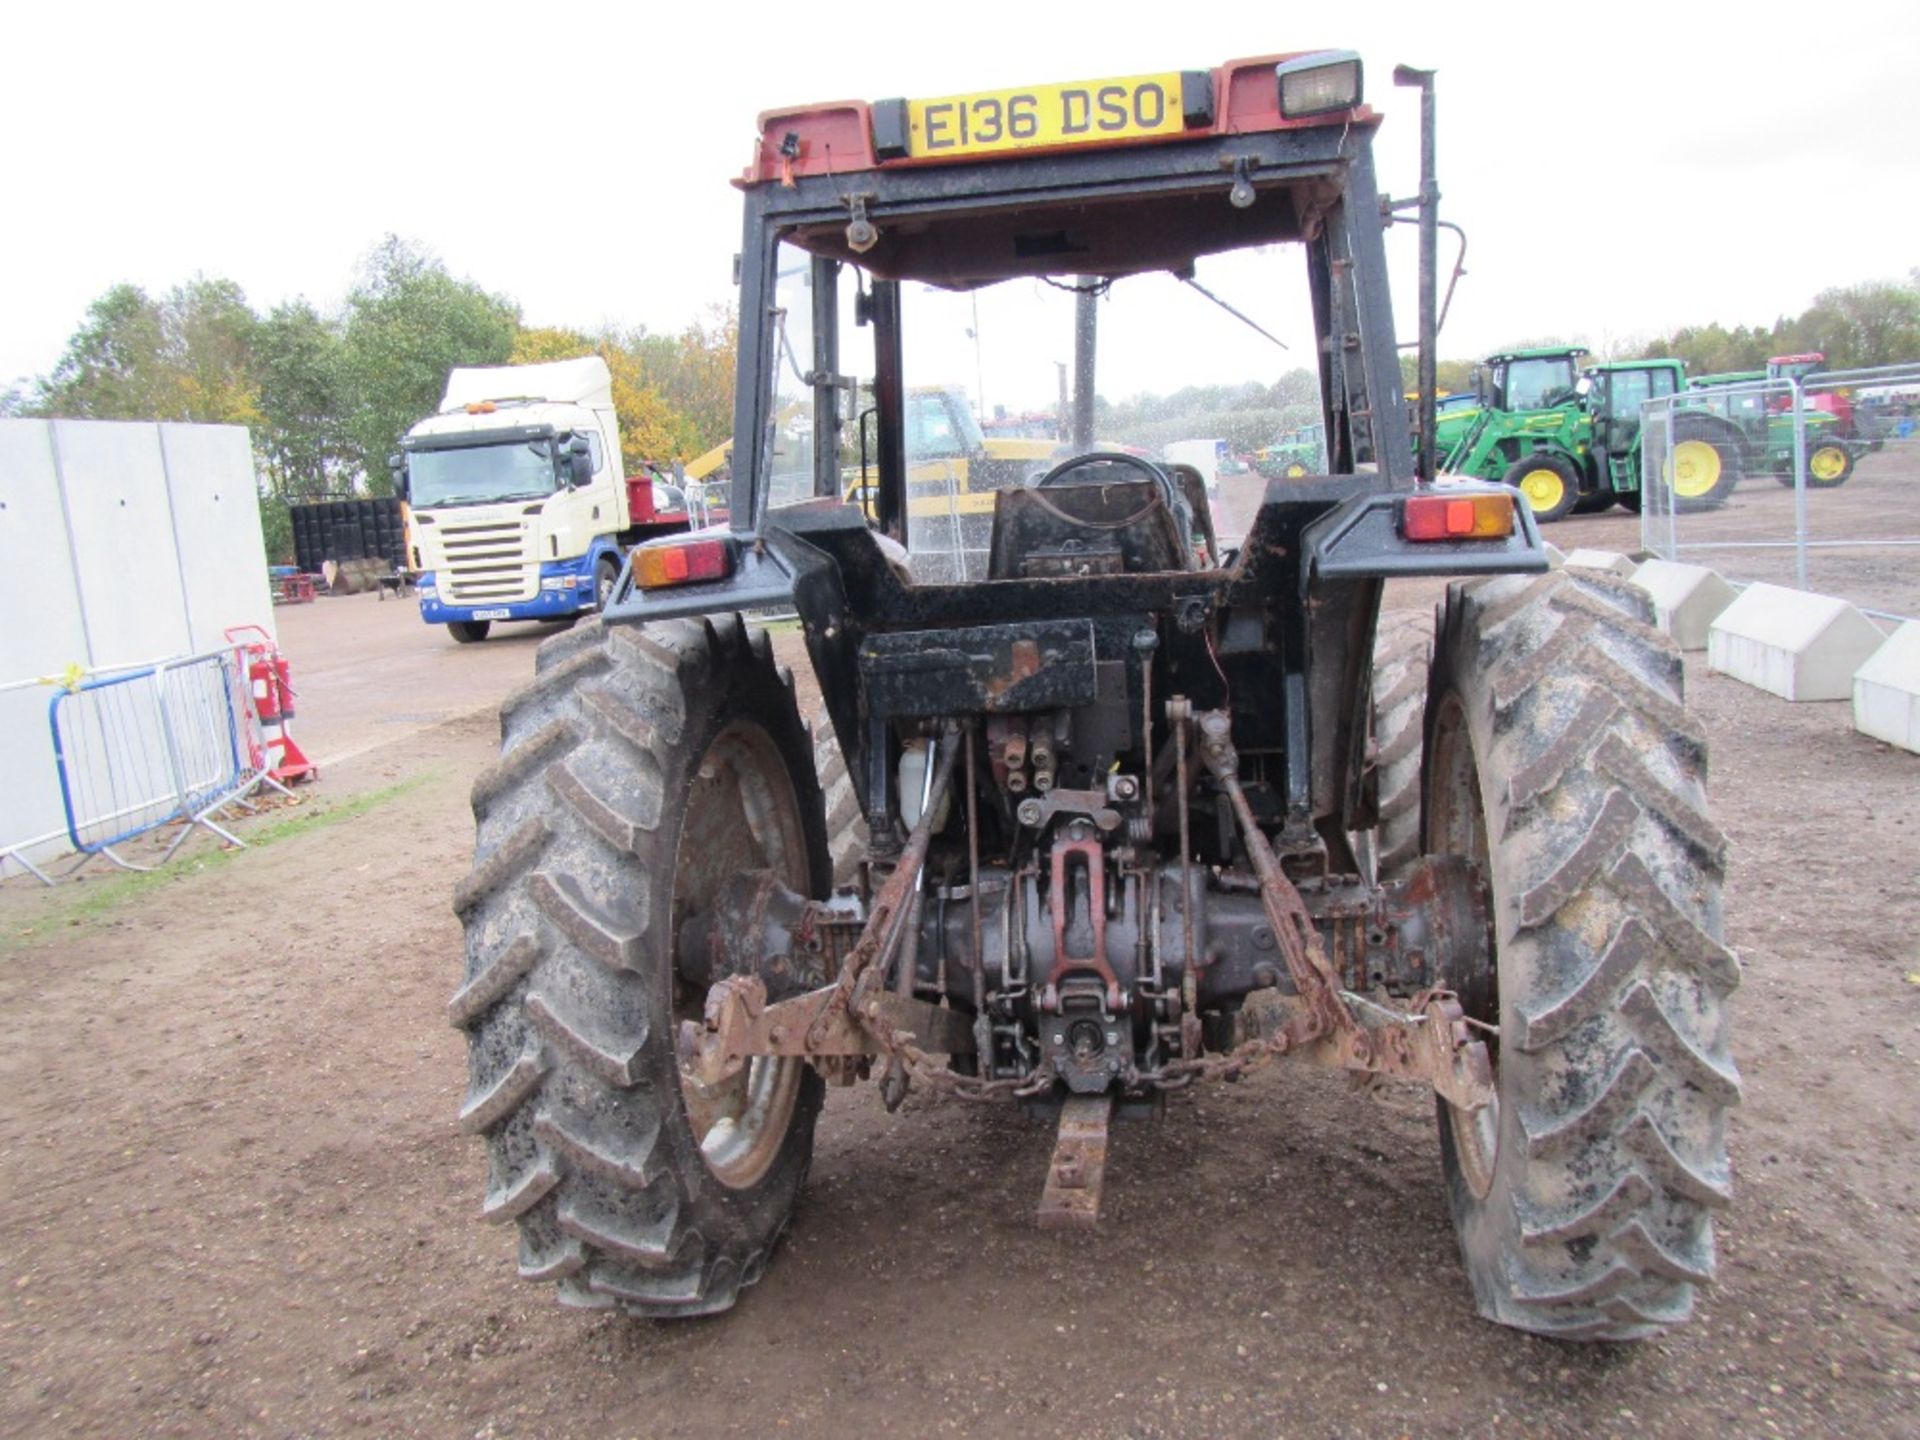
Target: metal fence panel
{"x": 1824, "y": 489}
{"x": 177, "y": 741}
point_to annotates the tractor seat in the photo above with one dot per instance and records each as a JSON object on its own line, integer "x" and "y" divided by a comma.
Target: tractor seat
{"x": 1104, "y": 527}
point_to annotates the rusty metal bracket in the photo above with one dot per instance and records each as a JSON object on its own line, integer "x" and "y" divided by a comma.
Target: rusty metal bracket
{"x": 1293, "y": 927}
{"x": 1078, "y": 1169}
{"x": 1430, "y": 1045}
{"x": 739, "y": 1025}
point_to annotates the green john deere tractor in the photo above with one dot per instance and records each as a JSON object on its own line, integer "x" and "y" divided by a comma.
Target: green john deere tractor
{"x": 1300, "y": 451}
{"x": 1570, "y": 440}
{"x": 1738, "y": 397}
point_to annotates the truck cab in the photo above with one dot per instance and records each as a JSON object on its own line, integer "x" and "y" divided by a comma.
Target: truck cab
{"x": 520, "y": 510}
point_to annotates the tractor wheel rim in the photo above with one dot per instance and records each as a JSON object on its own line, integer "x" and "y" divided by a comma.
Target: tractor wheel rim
{"x": 1827, "y": 462}
{"x": 1696, "y": 469}
{"x": 742, "y": 816}
{"x": 1543, "y": 488}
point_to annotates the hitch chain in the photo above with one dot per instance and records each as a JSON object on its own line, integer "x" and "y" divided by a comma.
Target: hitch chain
{"x": 862, "y": 977}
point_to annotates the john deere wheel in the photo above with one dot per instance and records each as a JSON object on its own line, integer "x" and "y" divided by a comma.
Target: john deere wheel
{"x": 1829, "y": 465}
{"x": 1705, "y": 470}
{"x": 641, "y": 769}
{"x": 1548, "y": 482}
{"x": 1559, "y": 756}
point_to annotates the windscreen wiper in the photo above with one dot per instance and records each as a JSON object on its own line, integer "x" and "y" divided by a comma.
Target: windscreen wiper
{"x": 1244, "y": 320}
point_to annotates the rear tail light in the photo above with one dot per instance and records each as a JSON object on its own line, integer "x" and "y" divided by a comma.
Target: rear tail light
{"x": 682, "y": 562}
{"x": 1457, "y": 517}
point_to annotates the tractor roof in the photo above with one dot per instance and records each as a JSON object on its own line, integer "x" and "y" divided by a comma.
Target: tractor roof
{"x": 1102, "y": 178}
{"x": 1538, "y": 352}
{"x": 1729, "y": 377}
{"x": 1655, "y": 362}
{"x": 840, "y": 137}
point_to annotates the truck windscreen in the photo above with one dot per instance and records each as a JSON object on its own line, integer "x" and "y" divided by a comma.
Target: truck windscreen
{"x": 476, "y": 474}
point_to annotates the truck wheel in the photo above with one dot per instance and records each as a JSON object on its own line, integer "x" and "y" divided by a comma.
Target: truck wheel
{"x": 640, "y": 770}
{"x": 606, "y": 575}
{"x": 1561, "y": 759}
{"x": 1705, "y": 470}
{"x": 1402, "y": 653}
{"x": 469, "y": 632}
{"x": 1829, "y": 464}
{"x": 1548, "y": 482}
{"x": 846, "y": 826}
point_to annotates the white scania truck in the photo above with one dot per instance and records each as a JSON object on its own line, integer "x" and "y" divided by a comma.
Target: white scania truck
{"x": 520, "y": 506}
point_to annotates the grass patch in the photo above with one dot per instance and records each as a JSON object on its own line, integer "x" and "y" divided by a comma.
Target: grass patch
{"x": 80, "y": 906}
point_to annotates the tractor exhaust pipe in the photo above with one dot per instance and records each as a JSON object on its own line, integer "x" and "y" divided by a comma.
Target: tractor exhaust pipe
{"x": 1429, "y": 268}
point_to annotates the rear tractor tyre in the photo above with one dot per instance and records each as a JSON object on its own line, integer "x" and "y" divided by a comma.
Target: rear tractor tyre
{"x": 1705, "y": 470}
{"x": 846, "y": 826}
{"x": 1548, "y": 482}
{"x": 1402, "y": 653}
{"x": 1561, "y": 759}
{"x": 469, "y": 632}
{"x": 641, "y": 768}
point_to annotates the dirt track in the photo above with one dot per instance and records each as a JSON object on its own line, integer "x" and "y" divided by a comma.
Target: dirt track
{"x": 236, "y": 1202}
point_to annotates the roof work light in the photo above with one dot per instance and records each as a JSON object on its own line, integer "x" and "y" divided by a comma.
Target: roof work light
{"x": 1318, "y": 84}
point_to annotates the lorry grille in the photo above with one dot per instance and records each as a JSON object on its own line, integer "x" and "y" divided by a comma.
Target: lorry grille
{"x": 488, "y": 563}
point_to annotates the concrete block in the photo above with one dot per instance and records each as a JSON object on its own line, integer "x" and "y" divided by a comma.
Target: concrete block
{"x": 1556, "y": 557}
{"x": 1608, "y": 560}
{"x": 1687, "y": 599}
{"x": 1886, "y": 690}
{"x": 1790, "y": 643}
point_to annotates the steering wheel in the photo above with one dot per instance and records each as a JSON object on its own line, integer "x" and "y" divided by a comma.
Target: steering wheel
{"x": 1115, "y": 457}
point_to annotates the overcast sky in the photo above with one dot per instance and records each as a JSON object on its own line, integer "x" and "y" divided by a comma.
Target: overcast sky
{"x": 1620, "y": 168}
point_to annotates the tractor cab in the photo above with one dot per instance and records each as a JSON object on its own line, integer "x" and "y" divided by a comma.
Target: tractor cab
{"x": 1536, "y": 379}
{"x": 1615, "y": 392}
{"x": 1795, "y": 367}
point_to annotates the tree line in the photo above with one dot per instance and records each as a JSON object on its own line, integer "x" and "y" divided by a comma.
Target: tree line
{"x": 1856, "y": 327}
{"x": 327, "y": 395}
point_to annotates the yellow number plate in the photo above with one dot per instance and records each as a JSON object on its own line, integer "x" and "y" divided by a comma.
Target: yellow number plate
{"x": 1090, "y": 113}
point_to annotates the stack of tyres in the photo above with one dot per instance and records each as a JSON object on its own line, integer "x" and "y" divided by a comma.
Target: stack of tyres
{"x": 367, "y": 529}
